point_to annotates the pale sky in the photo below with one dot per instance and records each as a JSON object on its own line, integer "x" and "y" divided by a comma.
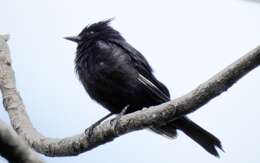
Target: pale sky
{"x": 186, "y": 42}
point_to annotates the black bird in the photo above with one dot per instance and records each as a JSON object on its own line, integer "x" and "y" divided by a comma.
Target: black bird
{"x": 116, "y": 75}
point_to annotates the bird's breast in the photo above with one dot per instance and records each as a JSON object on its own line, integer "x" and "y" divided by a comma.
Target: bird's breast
{"x": 109, "y": 77}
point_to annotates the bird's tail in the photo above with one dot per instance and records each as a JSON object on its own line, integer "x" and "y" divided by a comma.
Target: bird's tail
{"x": 208, "y": 141}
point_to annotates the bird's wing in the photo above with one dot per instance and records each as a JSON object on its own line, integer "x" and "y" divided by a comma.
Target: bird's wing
{"x": 140, "y": 61}
{"x": 153, "y": 88}
{"x": 159, "y": 92}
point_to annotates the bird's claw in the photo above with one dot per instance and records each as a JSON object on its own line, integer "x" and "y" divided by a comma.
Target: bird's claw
{"x": 114, "y": 122}
{"x": 89, "y": 131}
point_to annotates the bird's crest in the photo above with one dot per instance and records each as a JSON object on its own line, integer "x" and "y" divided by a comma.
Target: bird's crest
{"x": 99, "y": 26}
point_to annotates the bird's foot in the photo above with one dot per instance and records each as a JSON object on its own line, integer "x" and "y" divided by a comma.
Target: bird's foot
{"x": 114, "y": 122}
{"x": 89, "y": 130}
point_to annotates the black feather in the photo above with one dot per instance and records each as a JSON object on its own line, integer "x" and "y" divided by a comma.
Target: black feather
{"x": 116, "y": 75}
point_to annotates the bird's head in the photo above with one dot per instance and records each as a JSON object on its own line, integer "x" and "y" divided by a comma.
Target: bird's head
{"x": 97, "y": 31}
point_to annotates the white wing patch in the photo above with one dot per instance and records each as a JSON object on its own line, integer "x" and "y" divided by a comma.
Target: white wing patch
{"x": 153, "y": 88}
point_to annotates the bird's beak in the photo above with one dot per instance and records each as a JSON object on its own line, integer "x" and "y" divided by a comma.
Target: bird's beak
{"x": 73, "y": 38}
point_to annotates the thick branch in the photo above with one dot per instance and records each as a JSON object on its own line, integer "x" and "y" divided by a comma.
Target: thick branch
{"x": 107, "y": 131}
{"x": 13, "y": 148}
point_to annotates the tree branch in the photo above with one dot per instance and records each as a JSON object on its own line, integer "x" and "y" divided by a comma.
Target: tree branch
{"x": 107, "y": 131}
{"x": 13, "y": 148}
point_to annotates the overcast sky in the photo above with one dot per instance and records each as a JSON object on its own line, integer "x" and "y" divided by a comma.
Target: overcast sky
{"x": 186, "y": 43}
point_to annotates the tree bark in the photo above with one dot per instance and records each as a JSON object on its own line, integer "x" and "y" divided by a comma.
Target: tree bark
{"x": 13, "y": 148}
